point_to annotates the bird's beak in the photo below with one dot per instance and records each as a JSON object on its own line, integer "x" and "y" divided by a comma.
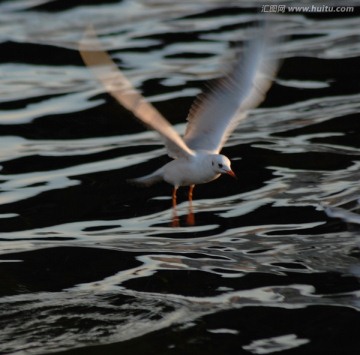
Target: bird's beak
{"x": 231, "y": 173}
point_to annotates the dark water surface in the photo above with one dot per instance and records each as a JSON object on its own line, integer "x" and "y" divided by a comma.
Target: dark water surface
{"x": 90, "y": 265}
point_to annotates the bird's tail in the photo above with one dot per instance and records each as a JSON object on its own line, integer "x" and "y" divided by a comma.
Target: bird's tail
{"x": 147, "y": 180}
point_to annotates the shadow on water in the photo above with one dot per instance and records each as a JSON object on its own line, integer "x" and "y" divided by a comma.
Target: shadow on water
{"x": 90, "y": 264}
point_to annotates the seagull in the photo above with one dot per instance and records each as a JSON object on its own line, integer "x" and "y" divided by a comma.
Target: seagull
{"x": 212, "y": 117}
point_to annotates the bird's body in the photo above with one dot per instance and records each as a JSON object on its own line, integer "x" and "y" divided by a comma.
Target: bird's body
{"x": 211, "y": 120}
{"x": 197, "y": 169}
{"x": 186, "y": 172}
{"x": 189, "y": 171}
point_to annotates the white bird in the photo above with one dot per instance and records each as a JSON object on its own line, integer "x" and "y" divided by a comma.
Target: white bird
{"x": 211, "y": 120}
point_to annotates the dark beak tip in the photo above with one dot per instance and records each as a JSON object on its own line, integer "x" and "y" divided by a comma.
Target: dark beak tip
{"x": 232, "y": 174}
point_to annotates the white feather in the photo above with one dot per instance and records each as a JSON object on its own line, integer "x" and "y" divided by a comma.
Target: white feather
{"x": 213, "y": 117}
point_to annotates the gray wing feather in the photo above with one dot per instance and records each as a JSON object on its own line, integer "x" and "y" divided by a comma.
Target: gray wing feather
{"x": 121, "y": 89}
{"x": 214, "y": 116}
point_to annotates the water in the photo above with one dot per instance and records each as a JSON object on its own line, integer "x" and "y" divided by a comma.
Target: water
{"x": 91, "y": 265}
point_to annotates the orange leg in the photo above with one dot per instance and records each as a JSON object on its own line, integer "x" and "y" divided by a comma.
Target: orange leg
{"x": 190, "y": 220}
{"x": 175, "y": 219}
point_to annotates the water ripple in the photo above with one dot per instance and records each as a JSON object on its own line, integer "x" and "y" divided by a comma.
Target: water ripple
{"x": 87, "y": 260}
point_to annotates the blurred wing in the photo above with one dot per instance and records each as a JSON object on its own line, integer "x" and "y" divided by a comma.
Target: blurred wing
{"x": 214, "y": 116}
{"x": 122, "y": 90}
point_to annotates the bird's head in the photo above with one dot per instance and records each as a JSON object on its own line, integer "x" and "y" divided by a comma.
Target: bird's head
{"x": 222, "y": 165}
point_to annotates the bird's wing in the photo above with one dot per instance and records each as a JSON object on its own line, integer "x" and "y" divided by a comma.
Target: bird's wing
{"x": 214, "y": 116}
{"x": 122, "y": 90}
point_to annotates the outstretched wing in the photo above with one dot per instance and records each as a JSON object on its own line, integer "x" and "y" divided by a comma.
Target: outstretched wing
{"x": 122, "y": 90}
{"x": 214, "y": 116}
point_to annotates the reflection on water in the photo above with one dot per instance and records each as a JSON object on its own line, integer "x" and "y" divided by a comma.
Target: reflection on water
{"x": 91, "y": 264}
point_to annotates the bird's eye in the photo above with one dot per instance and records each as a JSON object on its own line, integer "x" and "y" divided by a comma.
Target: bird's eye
{"x": 220, "y": 165}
